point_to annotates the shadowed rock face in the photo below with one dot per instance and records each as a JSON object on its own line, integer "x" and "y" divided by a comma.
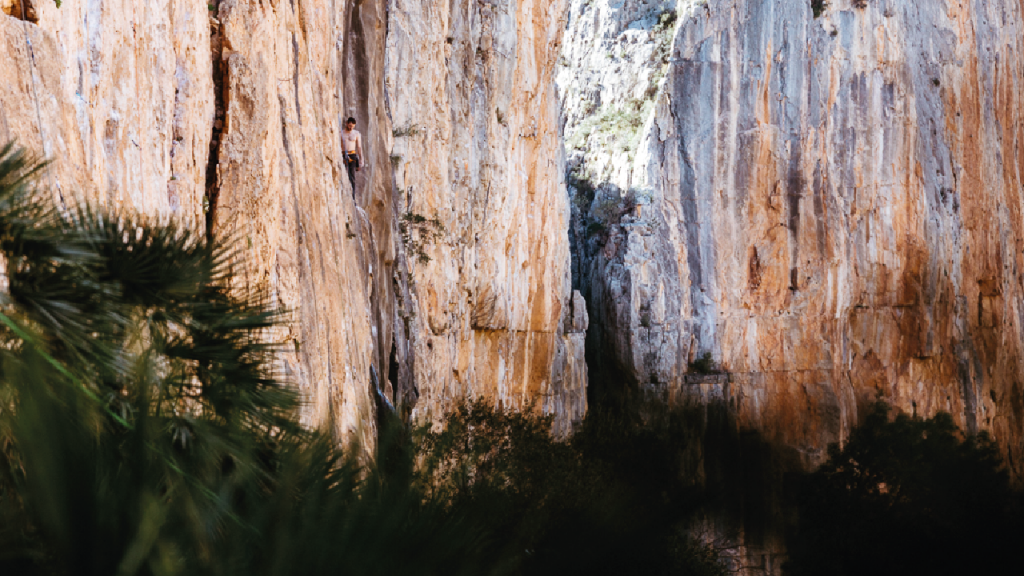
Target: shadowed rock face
{"x": 831, "y": 206}
{"x": 228, "y": 115}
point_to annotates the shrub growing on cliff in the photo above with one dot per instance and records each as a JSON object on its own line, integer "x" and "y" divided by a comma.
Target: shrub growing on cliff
{"x": 704, "y": 364}
{"x": 908, "y": 496}
{"x": 418, "y": 232}
{"x": 818, "y": 7}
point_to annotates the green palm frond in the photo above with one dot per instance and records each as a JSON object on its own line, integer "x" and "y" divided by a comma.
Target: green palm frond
{"x": 143, "y": 426}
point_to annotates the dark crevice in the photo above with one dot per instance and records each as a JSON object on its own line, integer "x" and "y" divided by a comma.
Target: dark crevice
{"x": 220, "y": 88}
{"x": 364, "y": 97}
{"x": 393, "y": 369}
{"x": 295, "y": 77}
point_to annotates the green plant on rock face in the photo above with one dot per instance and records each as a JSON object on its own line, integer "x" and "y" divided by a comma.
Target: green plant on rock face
{"x": 705, "y": 364}
{"x": 818, "y": 7}
{"x": 579, "y": 138}
{"x": 411, "y": 130}
{"x": 616, "y": 126}
{"x": 612, "y": 206}
{"x": 607, "y": 210}
{"x": 645, "y": 320}
{"x": 418, "y": 232}
{"x": 662, "y": 36}
{"x": 666, "y": 21}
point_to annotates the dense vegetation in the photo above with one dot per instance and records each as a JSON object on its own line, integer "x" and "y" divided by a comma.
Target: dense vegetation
{"x": 908, "y": 495}
{"x": 613, "y": 499}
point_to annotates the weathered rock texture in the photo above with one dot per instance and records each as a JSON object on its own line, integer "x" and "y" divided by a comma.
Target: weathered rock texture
{"x": 831, "y": 206}
{"x": 227, "y": 115}
{"x": 477, "y": 155}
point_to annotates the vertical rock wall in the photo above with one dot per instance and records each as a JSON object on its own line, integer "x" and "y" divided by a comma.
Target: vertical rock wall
{"x": 227, "y": 114}
{"x": 830, "y": 206}
{"x": 281, "y": 194}
{"x": 478, "y": 172}
{"x": 118, "y": 95}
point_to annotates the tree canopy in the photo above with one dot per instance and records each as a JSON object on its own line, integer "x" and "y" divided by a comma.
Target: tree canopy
{"x": 908, "y": 495}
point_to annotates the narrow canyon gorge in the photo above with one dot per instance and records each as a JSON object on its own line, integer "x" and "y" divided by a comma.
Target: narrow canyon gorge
{"x": 782, "y": 208}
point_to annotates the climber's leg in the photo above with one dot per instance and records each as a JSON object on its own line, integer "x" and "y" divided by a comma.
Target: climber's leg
{"x": 351, "y": 167}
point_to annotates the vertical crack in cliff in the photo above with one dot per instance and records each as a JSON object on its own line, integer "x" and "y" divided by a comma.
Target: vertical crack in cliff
{"x": 362, "y": 56}
{"x": 613, "y": 71}
{"x": 220, "y": 89}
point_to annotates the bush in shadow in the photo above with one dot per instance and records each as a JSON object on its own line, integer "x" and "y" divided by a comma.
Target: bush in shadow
{"x": 612, "y": 499}
{"x": 907, "y": 495}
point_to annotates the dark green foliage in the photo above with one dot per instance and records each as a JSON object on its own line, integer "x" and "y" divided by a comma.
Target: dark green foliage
{"x": 613, "y": 499}
{"x": 908, "y": 496}
{"x": 818, "y": 7}
{"x": 704, "y": 365}
{"x": 666, "y": 20}
{"x": 595, "y": 228}
{"x": 143, "y": 429}
{"x": 417, "y": 232}
{"x": 585, "y": 189}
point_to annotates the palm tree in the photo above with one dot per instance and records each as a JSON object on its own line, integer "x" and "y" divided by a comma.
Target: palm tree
{"x": 144, "y": 429}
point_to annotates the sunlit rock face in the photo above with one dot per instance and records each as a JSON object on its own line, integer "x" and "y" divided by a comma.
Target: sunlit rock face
{"x": 224, "y": 115}
{"x": 829, "y": 205}
{"x": 117, "y": 95}
{"x": 227, "y": 115}
{"x": 477, "y": 155}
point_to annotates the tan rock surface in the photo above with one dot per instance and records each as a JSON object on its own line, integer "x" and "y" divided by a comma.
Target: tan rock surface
{"x": 829, "y": 206}
{"x": 476, "y": 147}
{"x": 227, "y": 115}
{"x": 129, "y": 100}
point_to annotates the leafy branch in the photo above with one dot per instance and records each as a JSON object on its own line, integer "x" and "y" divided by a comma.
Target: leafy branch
{"x": 418, "y": 232}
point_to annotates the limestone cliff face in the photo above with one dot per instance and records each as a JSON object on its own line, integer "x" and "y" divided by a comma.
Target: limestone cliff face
{"x": 478, "y": 160}
{"x": 227, "y": 115}
{"x": 830, "y": 205}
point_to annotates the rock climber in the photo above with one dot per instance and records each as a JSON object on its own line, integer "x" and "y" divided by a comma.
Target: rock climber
{"x": 352, "y": 141}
